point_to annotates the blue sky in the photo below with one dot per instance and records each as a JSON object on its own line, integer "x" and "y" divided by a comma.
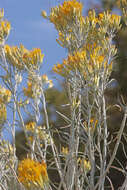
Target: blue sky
{"x": 30, "y": 29}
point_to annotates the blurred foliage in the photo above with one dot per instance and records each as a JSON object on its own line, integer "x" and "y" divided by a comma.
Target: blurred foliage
{"x": 119, "y": 89}
{"x": 56, "y": 105}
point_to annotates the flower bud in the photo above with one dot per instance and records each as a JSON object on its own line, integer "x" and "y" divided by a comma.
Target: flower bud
{"x": 44, "y": 14}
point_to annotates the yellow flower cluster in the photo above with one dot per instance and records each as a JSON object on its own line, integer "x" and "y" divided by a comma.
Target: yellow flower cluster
{"x": 72, "y": 63}
{"x": 89, "y": 62}
{"x": 21, "y": 57}
{"x": 33, "y": 57}
{"x": 65, "y": 151}
{"x": 29, "y": 91}
{"x": 91, "y": 18}
{"x": 44, "y": 14}
{"x": 110, "y": 21}
{"x": 32, "y": 174}
{"x": 86, "y": 165}
{"x": 30, "y": 126}
{"x": 40, "y": 132}
{"x": 34, "y": 87}
{"x": 47, "y": 81}
{"x": 5, "y": 27}
{"x": 68, "y": 38}
{"x": 73, "y": 28}
{"x": 92, "y": 126}
{"x": 64, "y": 14}
{"x": 91, "y": 26}
{"x": 5, "y": 95}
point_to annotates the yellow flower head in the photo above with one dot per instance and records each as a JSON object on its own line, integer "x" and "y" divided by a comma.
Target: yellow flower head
{"x": 32, "y": 173}
{"x": 30, "y": 126}
{"x": 5, "y": 95}
{"x": 92, "y": 126}
{"x": 44, "y": 14}
{"x": 1, "y": 13}
{"x": 84, "y": 164}
{"x": 28, "y": 91}
{"x": 40, "y": 131}
{"x": 115, "y": 19}
{"x": 72, "y": 62}
{"x": 45, "y": 78}
{"x": 64, "y": 14}
{"x": 5, "y": 27}
{"x": 33, "y": 89}
{"x": 65, "y": 151}
{"x": 21, "y": 57}
{"x": 92, "y": 17}
{"x": 109, "y": 21}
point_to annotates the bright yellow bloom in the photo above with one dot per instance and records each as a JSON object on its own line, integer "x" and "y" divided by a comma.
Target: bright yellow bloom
{"x": 65, "y": 151}
{"x": 40, "y": 131}
{"x": 88, "y": 61}
{"x": 64, "y": 14}
{"x": 92, "y": 126}
{"x": 115, "y": 19}
{"x": 5, "y": 95}
{"x": 33, "y": 57}
{"x": 44, "y": 14}
{"x": 28, "y": 91}
{"x": 34, "y": 86}
{"x": 32, "y": 173}
{"x": 71, "y": 63}
{"x": 110, "y": 21}
{"x": 92, "y": 17}
{"x": 21, "y": 57}
{"x": 33, "y": 89}
{"x": 30, "y": 126}
{"x": 86, "y": 165}
{"x": 45, "y": 78}
{"x": 30, "y": 140}
{"x": 100, "y": 16}
{"x": 59, "y": 69}
{"x": 50, "y": 84}
{"x": 5, "y": 27}
{"x": 3, "y": 113}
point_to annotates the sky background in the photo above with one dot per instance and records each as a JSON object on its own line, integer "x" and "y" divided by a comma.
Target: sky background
{"x": 29, "y": 28}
